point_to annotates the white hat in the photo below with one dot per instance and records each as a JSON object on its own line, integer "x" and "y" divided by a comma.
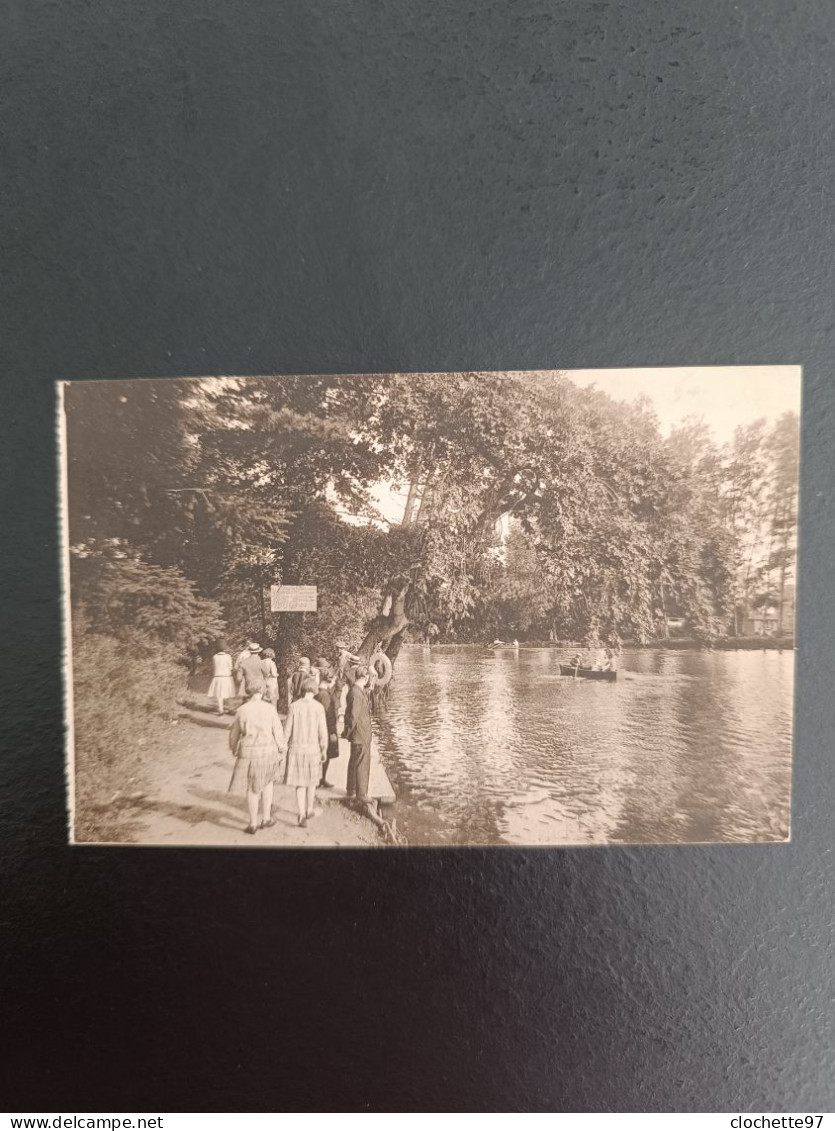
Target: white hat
{"x": 254, "y": 647}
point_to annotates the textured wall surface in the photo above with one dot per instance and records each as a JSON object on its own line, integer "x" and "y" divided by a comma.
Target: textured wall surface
{"x": 351, "y": 185}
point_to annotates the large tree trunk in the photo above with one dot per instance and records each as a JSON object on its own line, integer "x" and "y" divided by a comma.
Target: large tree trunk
{"x": 430, "y": 505}
{"x": 386, "y": 633}
{"x": 394, "y": 647}
{"x": 411, "y": 503}
{"x": 390, "y": 623}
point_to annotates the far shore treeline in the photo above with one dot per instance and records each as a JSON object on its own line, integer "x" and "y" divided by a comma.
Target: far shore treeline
{"x": 534, "y": 509}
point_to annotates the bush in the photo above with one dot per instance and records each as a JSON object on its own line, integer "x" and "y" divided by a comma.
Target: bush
{"x": 122, "y": 596}
{"x": 124, "y": 693}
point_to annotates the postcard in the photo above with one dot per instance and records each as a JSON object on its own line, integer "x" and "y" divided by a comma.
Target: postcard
{"x": 431, "y": 609}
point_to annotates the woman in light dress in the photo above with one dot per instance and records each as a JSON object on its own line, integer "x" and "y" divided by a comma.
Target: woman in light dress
{"x": 306, "y": 731}
{"x": 258, "y": 743}
{"x": 223, "y": 684}
{"x": 270, "y": 676}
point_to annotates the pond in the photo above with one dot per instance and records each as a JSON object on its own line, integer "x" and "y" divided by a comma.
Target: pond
{"x": 495, "y": 747}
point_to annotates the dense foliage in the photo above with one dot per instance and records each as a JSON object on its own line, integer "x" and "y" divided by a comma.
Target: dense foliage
{"x": 142, "y": 604}
{"x": 124, "y": 699}
{"x": 533, "y": 508}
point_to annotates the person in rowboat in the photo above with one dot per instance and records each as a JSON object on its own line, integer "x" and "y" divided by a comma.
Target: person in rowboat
{"x": 605, "y": 660}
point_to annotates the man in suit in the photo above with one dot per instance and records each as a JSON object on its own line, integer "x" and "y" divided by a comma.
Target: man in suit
{"x": 239, "y": 675}
{"x": 358, "y": 733}
{"x": 252, "y": 669}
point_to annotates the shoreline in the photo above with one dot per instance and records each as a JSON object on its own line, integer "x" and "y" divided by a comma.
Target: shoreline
{"x": 726, "y": 644}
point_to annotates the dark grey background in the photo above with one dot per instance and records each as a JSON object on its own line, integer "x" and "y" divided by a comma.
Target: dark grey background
{"x": 250, "y": 187}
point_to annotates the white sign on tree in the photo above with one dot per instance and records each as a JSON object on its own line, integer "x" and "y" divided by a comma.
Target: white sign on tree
{"x": 293, "y": 598}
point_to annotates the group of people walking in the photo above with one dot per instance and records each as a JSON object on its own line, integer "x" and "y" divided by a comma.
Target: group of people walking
{"x": 324, "y": 703}
{"x": 233, "y": 679}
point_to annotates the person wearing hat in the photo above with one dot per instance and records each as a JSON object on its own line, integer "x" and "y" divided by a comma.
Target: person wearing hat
{"x": 258, "y": 743}
{"x": 253, "y": 669}
{"x": 346, "y": 659}
{"x": 358, "y": 732}
{"x": 294, "y": 683}
{"x": 239, "y": 675}
{"x": 325, "y": 670}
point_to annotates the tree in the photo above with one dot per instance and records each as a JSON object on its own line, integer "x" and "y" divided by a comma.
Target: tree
{"x": 530, "y": 503}
{"x": 470, "y": 442}
{"x": 760, "y": 502}
{"x": 138, "y": 480}
{"x": 127, "y": 447}
{"x": 282, "y": 451}
{"x": 349, "y": 564}
{"x": 698, "y": 550}
{"x": 145, "y": 606}
{"x": 783, "y": 450}
{"x": 745, "y": 503}
{"x": 522, "y": 595}
{"x": 590, "y": 480}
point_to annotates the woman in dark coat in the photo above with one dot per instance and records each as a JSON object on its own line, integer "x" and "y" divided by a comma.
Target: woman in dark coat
{"x": 327, "y": 696}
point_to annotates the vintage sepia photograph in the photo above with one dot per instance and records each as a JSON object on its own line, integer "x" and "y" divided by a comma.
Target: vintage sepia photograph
{"x": 431, "y": 609}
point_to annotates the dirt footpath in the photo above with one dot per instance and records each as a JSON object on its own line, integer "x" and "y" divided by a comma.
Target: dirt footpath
{"x": 186, "y": 800}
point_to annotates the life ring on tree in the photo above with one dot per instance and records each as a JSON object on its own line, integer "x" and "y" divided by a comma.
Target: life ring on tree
{"x": 378, "y": 660}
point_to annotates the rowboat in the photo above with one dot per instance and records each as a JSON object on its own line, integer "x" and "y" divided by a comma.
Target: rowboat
{"x": 587, "y": 673}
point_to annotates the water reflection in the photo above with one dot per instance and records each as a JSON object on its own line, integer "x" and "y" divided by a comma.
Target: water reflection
{"x": 488, "y": 747}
